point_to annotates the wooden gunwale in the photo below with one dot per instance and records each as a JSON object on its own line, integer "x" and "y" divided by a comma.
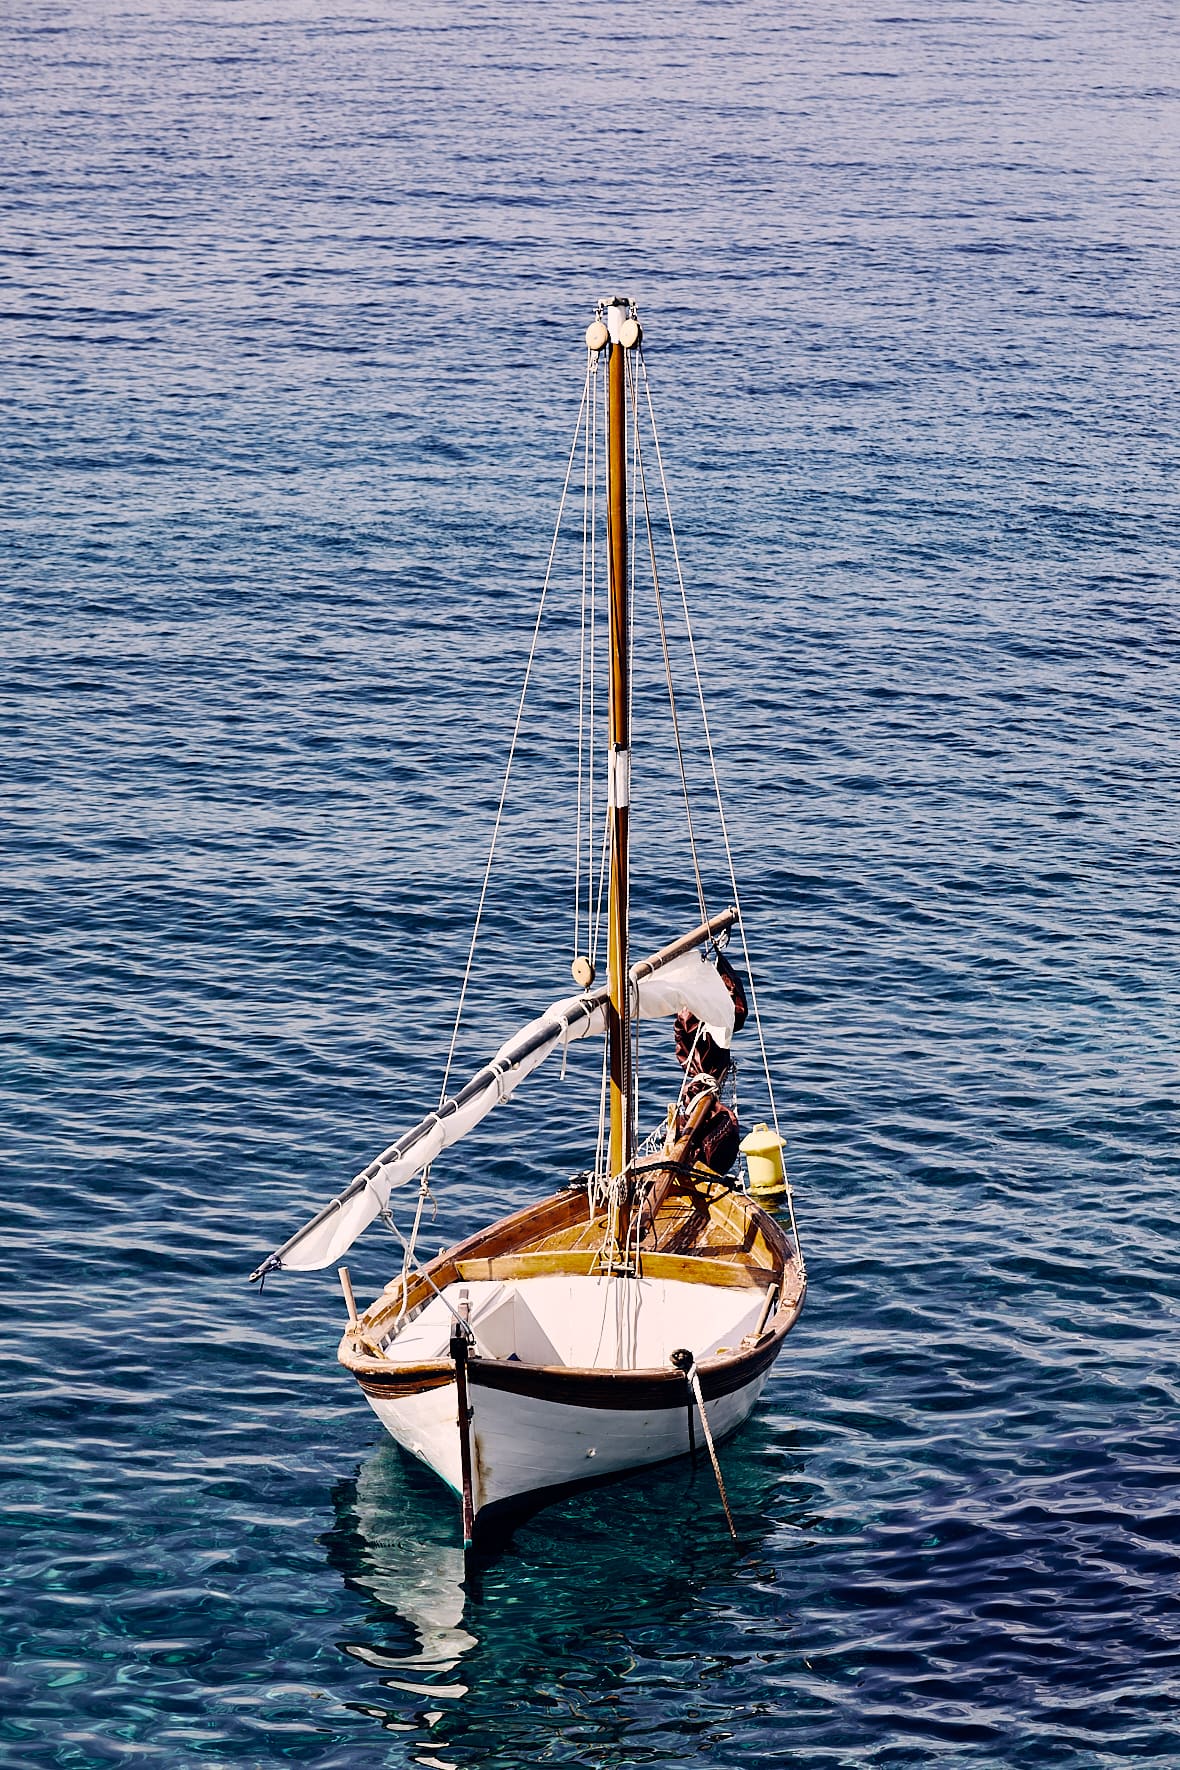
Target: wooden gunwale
{"x": 381, "y": 1377}
{"x": 524, "y": 1242}
{"x": 508, "y": 1250}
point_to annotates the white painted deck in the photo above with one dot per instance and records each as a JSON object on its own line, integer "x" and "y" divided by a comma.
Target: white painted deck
{"x": 598, "y": 1323}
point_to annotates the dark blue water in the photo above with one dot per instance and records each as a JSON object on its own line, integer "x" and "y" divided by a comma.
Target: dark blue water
{"x": 292, "y": 303}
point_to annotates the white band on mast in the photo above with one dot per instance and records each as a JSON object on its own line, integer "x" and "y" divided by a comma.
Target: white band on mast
{"x": 619, "y": 779}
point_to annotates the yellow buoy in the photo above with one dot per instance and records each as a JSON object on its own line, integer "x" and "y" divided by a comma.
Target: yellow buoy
{"x": 763, "y": 1150}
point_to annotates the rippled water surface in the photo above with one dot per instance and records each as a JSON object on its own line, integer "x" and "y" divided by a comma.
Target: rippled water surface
{"x": 292, "y": 303}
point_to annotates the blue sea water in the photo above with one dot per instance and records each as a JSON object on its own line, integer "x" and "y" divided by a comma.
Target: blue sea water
{"x": 291, "y": 307}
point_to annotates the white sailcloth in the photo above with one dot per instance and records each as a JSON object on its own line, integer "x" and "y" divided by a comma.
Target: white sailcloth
{"x": 686, "y": 983}
{"x": 689, "y": 984}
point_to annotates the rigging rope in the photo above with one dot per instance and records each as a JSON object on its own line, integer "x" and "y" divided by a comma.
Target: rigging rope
{"x": 569, "y": 467}
{"x": 659, "y": 601}
{"x": 587, "y": 549}
{"x": 588, "y": 683}
{"x": 593, "y": 656}
{"x": 387, "y": 1218}
{"x": 631, "y": 393}
{"x": 602, "y": 1189}
{"x": 717, "y": 787}
{"x": 409, "y": 1253}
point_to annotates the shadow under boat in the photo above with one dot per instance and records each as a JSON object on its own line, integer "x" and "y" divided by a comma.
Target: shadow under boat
{"x": 454, "y": 1641}
{"x": 396, "y": 1541}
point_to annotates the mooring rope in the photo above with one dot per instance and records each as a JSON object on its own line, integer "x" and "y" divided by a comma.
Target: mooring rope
{"x": 683, "y": 1360}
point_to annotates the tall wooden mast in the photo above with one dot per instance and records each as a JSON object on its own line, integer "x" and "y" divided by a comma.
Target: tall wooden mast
{"x": 623, "y": 331}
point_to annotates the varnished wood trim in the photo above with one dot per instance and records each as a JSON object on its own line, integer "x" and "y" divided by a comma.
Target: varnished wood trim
{"x": 576, "y": 1262}
{"x": 580, "y": 1263}
{"x": 703, "y": 1269}
{"x": 400, "y": 1379}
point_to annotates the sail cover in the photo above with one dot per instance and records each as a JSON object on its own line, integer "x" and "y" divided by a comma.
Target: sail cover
{"x": 683, "y": 981}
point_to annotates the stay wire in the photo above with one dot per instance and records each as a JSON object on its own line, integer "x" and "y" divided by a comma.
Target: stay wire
{"x": 515, "y": 736}
{"x": 587, "y": 542}
{"x": 717, "y": 793}
{"x": 659, "y": 602}
{"x": 592, "y": 427}
{"x": 631, "y": 396}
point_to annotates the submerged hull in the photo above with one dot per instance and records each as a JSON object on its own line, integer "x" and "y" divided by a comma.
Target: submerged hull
{"x": 569, "y": 1377}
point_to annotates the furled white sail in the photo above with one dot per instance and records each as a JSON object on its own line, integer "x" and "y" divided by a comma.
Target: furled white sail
{"x": 689, "y": 984}
{"x": 676, "y": 982}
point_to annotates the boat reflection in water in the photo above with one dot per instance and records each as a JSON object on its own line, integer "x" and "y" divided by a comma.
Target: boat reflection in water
{"x": 599, "y": 1612}
{"x": 396, "y": 1547}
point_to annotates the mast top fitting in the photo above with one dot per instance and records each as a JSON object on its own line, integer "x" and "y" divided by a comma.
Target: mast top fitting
{"x": 615, "y": 322}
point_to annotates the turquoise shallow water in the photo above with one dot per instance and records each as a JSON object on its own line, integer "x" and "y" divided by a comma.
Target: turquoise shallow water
{"x": 292, "y": 301}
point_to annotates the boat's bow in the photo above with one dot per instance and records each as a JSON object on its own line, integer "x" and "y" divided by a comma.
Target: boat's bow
{"x": 565, "y": 1368}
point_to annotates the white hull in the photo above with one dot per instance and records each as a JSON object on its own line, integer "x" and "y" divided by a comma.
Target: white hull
{"x": 523, "y": 1445}
{"x": 569, "y": 1378}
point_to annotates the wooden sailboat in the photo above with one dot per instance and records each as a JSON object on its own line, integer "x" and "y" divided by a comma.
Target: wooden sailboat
{"x": 604, "y": 1327}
